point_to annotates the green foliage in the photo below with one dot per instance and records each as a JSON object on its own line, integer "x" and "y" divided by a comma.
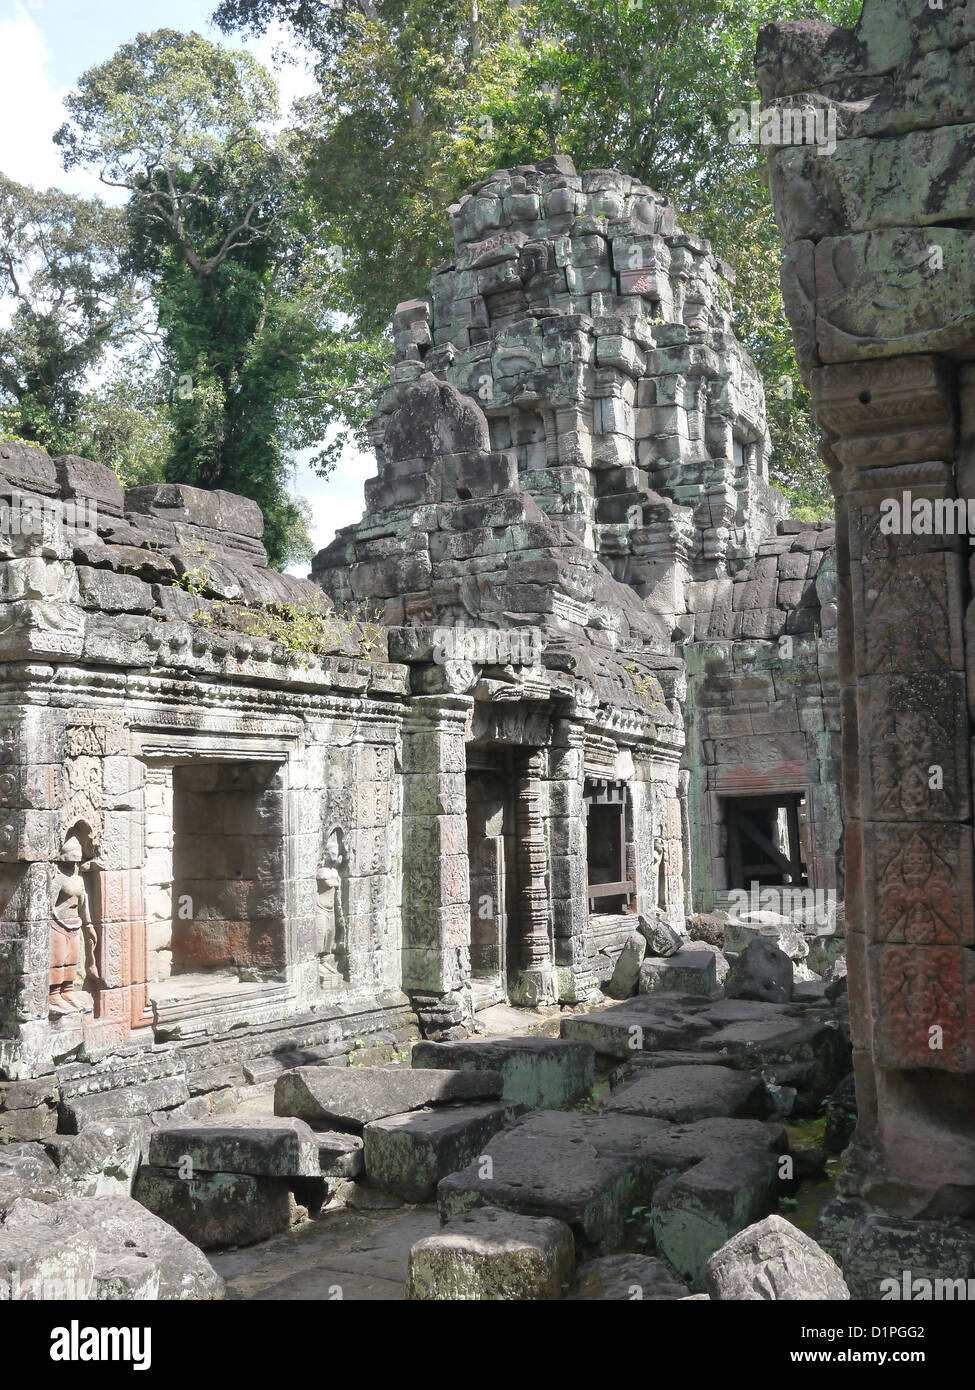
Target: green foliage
{"x": 125, "y": 423}
{"x": 219, "y": 225}
{"x": 72, "y": 297}
{"x": 306, "y": 627}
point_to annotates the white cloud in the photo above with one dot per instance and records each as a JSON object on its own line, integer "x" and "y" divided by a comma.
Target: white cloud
{"x": 31, "y": 110}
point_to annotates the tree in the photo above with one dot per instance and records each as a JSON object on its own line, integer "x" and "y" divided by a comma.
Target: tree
{"x": 219, "y": 226}
{"x": 63, "y": 269}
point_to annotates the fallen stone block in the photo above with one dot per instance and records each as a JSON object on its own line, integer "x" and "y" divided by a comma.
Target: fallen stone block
{"x": 39, "y": 1262}
{"x": 662, "y": 939}
{"x": 339, "y": 1154}
{"x": 409, "y": 1154}
{"x": 162, "y": 1094}
{"x": 628, "y": 1277}
{"x": 760, "y": 972}
{"x": 721, "y": 963}
{"x": 348, "y": 1099}
{"x": 735, "y": 1182}
{"x": 648, "y": 1023}
{"x": 687, "y": 972}
{"x": 543, "y": 1073}
{"x": 100, "y": 1161}
{"x": 741, "y": 932}
{"x": 586, "y": 1170}
{"x": 26, "y": 1171}
{"x": 492, "y": 1255}
{"x": 836, "y": 1223}
{"x": 684, "y": 1093}
{"x": 625, "y": 978}
{"x": 267, "y": 1146}
{"x": 889, "y": 1257}
{"x": 773, "y": 1261}
{"x": 125, "y": 1278}
{"x": 116, "y": 1228}
{"x": 213, "y": 1210}
{"x": 28, "y": 1110}
{"x": 810, "y": 1057}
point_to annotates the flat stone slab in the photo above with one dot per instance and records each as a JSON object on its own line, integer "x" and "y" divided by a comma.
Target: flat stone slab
{"x": 648, "y": 1023}
{"x": 267, "y": 1146}
{"x": 586, "y": 1170}
{"x": 409, "y": 1154}
{"x": 340, "y": 1154}
{"x": 683, "y": 1093}
{"x": 735, "y": 1183}
{"x": 492, "y": 1255}
{"x": 116, "y": 1229}
{"x": 544, "y": 1073}
{"x": 214, "y": 1210}
{"x": 633, "y": 1278}
{"x": 591, "y": 1171}
{"x": 351, "y": 1097}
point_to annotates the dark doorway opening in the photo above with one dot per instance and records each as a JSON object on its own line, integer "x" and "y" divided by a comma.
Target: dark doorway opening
{"x": 609, "y": 866}
{"x": 490, "y": 847}
{"x": 765, "y": 840}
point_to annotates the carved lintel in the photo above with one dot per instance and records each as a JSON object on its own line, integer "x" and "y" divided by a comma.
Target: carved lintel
{"x": 899, "y": 410}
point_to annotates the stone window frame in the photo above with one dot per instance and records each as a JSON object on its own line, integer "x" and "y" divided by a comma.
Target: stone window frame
{"x": 156, "y": 747}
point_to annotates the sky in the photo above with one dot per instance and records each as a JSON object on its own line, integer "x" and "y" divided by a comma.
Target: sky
{"x": 45, "y": 45}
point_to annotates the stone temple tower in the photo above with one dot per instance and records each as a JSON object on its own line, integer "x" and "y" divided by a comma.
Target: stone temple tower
{"x": 596, "y": 337}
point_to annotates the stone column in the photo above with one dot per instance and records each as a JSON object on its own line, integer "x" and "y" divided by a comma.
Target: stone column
{"x": 875, "y": 208}
{"x": 907, "y": 782}
{"x": 436, "y": 880}
{"x": 536, "y": 982}
{"x": 567, "y": 839}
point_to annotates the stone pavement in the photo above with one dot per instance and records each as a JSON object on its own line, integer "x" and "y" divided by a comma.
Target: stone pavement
{"x": 345, "y": 1254}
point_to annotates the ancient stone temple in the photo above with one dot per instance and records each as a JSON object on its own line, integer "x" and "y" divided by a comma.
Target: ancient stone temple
{"x": 573, "y": 669}
{"x": 573, "y": 449}
{"x": 878, "y": 282}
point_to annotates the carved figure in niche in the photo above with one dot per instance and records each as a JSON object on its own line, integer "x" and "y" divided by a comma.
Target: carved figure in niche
{"x": 658, "y": 870}
{"x": 72, "y": 928}
{"x": 329, "y": 912}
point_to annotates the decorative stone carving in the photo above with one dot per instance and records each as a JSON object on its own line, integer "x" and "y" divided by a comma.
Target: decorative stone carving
{"x": 74, "y": 935}
{"x": 330, "y": 923}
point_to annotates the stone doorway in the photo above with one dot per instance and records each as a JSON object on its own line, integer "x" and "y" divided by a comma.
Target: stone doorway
{"x": 491, "y": 850}
{"x": 765, "y": 840}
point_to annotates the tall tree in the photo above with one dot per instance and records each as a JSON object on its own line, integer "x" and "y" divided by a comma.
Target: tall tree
{"x": 72, "y": 296}
{"x": 218, "y": 225}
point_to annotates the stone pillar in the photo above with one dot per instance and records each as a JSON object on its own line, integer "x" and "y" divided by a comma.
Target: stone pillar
{"x": 567, "y": 840}
{"x": 536, "y": 982}
{"x": 907, "y": 780}
{"x": 875, "y": 207}
{"x": 436, "y": 880}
